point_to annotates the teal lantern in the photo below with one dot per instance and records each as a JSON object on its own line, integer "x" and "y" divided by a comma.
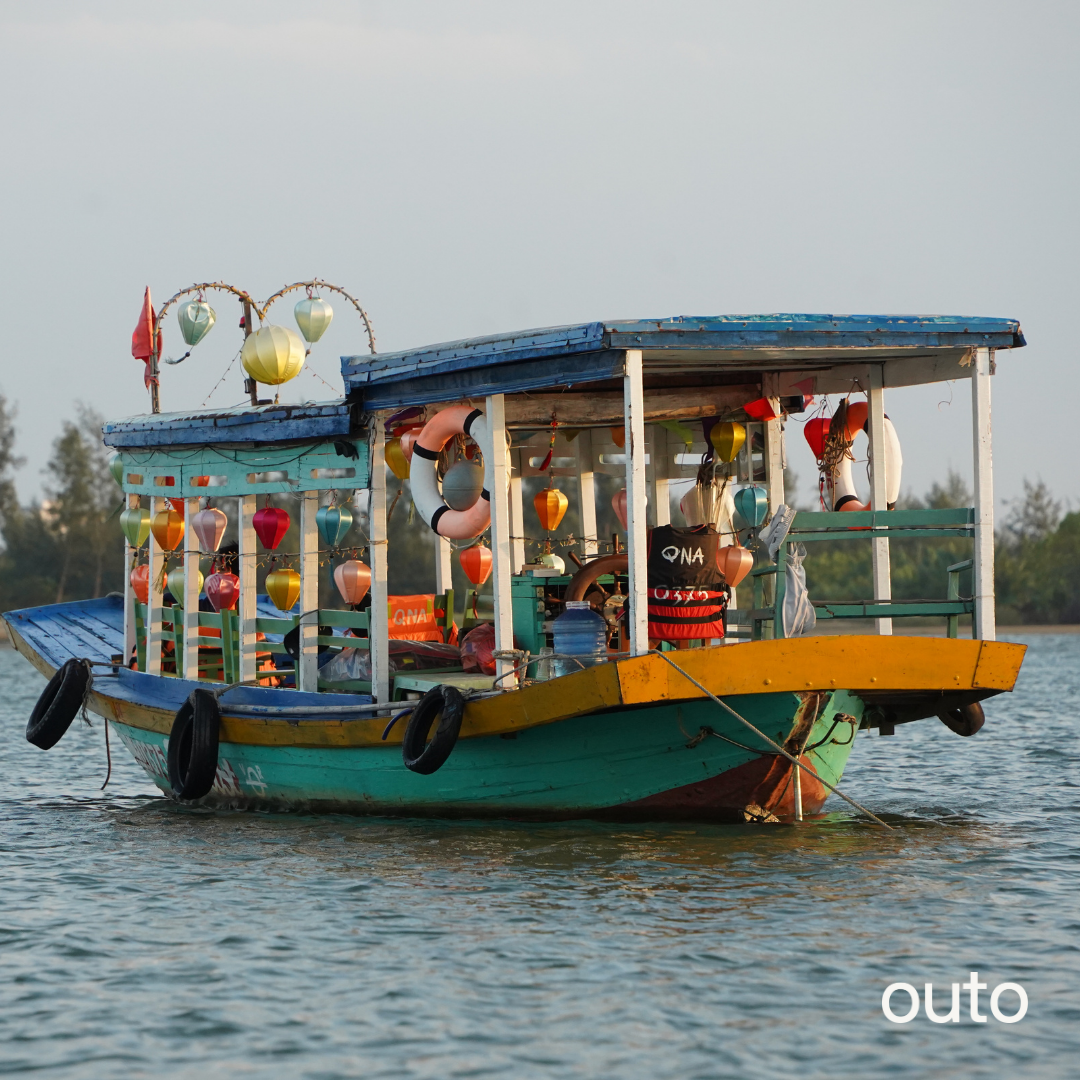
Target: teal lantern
{"x": 334, "y": 523}
{"x": 313, "y": 316}
{"x": 753, "y": 504}
{"x": 196, "y": 319}
{"x": 116, "y": 467}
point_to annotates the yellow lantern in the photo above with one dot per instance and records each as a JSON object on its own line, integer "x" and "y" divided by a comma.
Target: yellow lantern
{"x": 550, "y": 505}
{"x": 727, "y": 439}
{"x": 283, "y": 588}
{"x": 395, "y": 458}
{"x": 273, "y": 355}
{"x": 168, "y": 529}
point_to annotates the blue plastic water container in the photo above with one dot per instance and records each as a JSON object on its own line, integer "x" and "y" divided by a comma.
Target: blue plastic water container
{"x": 579, "y": 631}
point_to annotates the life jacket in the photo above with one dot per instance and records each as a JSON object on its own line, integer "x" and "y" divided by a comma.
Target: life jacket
{"x": 687, "y": 592}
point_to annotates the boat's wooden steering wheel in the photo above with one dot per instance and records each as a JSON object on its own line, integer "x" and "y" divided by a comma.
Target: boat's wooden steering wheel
{"x": 584, "y": 581}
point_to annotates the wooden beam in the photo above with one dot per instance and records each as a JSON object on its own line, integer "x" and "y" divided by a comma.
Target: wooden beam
{"x": 879, "y": 488}
{"x": 496, "y": 453}
{"x": 985, "y": 612}
{"x": 307, "y": 665}
{"x": 247, "y": 569}
{"x": 190, "y": 599}
{"x": 637, "y": 537}
{"x": 379, "y": 626}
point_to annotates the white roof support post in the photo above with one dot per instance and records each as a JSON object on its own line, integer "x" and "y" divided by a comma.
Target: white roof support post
{"x": 660, "y": 452}
{"x": 879, "y": 488}
{"x": 517, "y": 514}
{"x": 636, "y": 533}
{"x": 190, "y": 599}
{"x": 132, "y": 503}
{"x": 247, "y": 570}
{"x": 985, "y": 613}
{"x": 443, "y": 567}
{"x": 379, "y": 624}
{"x": 307, "y": 666}
{"x": 586, "y": 493}
{"x": 497, "y": 454}
{"x": 155, "y": 589}
{"x": 774, "y": 446}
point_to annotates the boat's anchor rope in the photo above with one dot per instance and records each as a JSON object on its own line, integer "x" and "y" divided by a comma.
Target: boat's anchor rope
{"x": 776, "y": 746}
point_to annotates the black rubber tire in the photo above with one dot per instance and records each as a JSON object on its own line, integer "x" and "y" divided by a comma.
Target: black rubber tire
{"x": 193, "y": 746}
{"x": 965, "y": 721}
{"x": 58, "y": 705}
{"x": 426, "y": 757}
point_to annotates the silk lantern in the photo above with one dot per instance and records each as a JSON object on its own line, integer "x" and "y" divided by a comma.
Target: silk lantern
{"x": 271, "y": 523}
{"x": 753, "y": 504}
{"x": 462, "y": 484}
{"x": 140, "y": 583}
{"x": 735, "y": 563}
{"x": 273, "y": 355}
{"x": 550, "y": 506}
{"x": 283, "y": 588}
{"x": 168, "y": 529}
{"x": 135, "y": 521}
{"x": 116, "y": 467}
{"x": 176, "y": 584}
{"x": 209, "y": 526}
{"x": 727, "y": 439}
{"x": 333, "y": 523}
{"x": 313, "y": 316}
{"x": 618, "y": 436}
{"x": 395, "y": 458}
{"x": 177, "y": 505}
{"x": 353, "y": 579}
{"x": 816, "y": 433}
{"x": 476, "y": 561}
{"x": 223, "y": 590}
{"x": 196, "y": 319}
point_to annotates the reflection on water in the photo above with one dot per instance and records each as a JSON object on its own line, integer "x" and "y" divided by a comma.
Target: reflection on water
{"x": 142, "y": 939}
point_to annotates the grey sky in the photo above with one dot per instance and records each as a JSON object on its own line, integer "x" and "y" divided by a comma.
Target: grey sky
{"x": 467, "y": 168}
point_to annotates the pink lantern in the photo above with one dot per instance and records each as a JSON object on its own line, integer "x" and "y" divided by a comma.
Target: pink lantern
{"x": 209, "y": 526}
{"x": 352, "y": 578}
{"x": 618, "y": 504}
{"x": 223, "y": 590}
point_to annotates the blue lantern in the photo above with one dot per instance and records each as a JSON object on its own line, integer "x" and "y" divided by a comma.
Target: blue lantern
{"x": 753, "y": 504}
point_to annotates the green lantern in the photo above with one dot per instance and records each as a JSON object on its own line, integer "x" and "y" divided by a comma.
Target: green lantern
{"x": 753, "y": 504}
{"x": 334, "y": 523}
{"x": 313, "y": 316}
{"x": 135, "y": 521}
{"x": 196, "y": 319}
{"x": 116, "y": 467}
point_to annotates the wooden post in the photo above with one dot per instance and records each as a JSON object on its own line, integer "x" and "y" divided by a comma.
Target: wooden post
{"x": 496, "y": 453}
{"x": 153, "y": 605}
{"x": 586, "y": 493}
{"x": 379, "y": 626}
{"x": 247, "y": 570}
{"x": 637, "y": 539}
{"x": 190, "y": 599}
{"x": 774, "y": 446}
{"x": 307, "y": 666}
{"x": 985, "y": 613}
{"x": 129, "y": 593}
{"x": 879, "y": 488}
{"x": 517, "y": 514}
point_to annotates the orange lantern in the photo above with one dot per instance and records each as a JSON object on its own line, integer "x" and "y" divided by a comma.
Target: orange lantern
{"x": 395, "y": 458}
{"x": 550, "y": 505}
{"x": 476, "y": 562}
{"x": 735, "y": 563}
{"x": 283, "y": 588}
{"x": 140, "y": 583}
{"x": 353, "y": 579}
{"x": 618, "y": 436}
{"x": 168, "y": 529}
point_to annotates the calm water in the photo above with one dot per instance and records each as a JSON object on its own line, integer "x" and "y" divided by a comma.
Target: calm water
{"x": 140, "y": 939}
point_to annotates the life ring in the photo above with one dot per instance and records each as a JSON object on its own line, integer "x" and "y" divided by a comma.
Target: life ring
{"x": 193, "y": 746}
{"x": 426, "y": 757}
{"x": 843, "y": 486}
{"x": 438, "y": 431}
{"x": 58, "y": 705}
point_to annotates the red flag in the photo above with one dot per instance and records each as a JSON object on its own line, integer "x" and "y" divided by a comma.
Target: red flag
{"x": 143, "y": 335}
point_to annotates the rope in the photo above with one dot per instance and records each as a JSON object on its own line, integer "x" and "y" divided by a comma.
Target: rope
{"x": 776, "y": 746}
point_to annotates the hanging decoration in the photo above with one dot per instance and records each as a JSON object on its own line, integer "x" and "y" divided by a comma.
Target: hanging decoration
{"x": 552, "y": 562}
{"x": 353, "y": 579}
{"x": 177, "y": 505}
{"x": 271, "y": 524}
{"x": 753, "y": 504}
{"x": 550, "y": 504}
{"x": 168, "y": 528}
{"x": 176, "y": 584}
{"x": 223, "y": 590}
{"x": 209, "y": 526}
{"x": 273, "y": 355}
{"x": 140, "y": 583}
{"x": 313, "y": 316}
{"x": 476, "y": 561}
{"x": 196, "y": 318}
{"x": 551, "y": 444}
{"x": 395, "y": 458}
{"x": 816, "y": 433}
{"x": 618, "y": 436}
{"x": 727, "y": 439}
{"x": 735, "y": 563}
{"x": 462, "y": 485}
{"x": 135, "y": 521}
{"x": 618, "y": 504}
{"x": 333, "y": 523}
{"x": 283, "y": 588}
{"x": 116, "y": 467}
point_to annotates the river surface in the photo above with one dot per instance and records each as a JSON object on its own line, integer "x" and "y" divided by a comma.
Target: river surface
{"x": 142, "y": 939}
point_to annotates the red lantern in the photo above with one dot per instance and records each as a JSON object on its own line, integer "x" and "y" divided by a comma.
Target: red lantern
{"x": 353, "y": 579}
{"x": 271, "y": 524}
{"x": 476, "y": 562}
{"x": 140, "y": 583}
{"x": 618, "y": 504}
{"x": 223, "y": 590}
{"x": 817, "y": 433}
{"x": 735, "y": 563}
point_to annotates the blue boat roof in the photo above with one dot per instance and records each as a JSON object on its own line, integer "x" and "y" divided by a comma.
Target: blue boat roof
{"x": 591, "y": 352}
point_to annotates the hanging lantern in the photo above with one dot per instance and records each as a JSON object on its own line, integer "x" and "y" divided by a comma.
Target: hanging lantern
{"x": 462, "y": 484}
{"x": 223, "y": 590}
{"x": 196, "y": 319}
{"x": 135, "y": 521}
{"x": 618, "y": 504}
{"x": 168, "y": 529}
{"x": 177, "y": 505}
{"x": 727, "y": 439}
{"x": 753, "y": 504}
{"x": 283, "y": 588}
{"x": 618, "y": 436}
{"x": 140, "y": 583}
{"x": 333, "y": 523}
{"x": 476, "y": 561}
{"x": 313, "y": 316}
{"x": 735, "y": 563}
{"x": 116, "y": 467}
{"x": 176, "y": 584}
{"x": 395, "y": 458}
{"x": 273, "y": 355}
{"x": 816, "y": 432}
{"x": 209, "y": 526}
{"x": 550, "y": 504}
{"x": 353, "y": 579}
{"x": 271, "y": 524}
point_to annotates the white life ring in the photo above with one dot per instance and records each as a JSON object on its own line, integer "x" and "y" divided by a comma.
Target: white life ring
{"x": 844, "y": 495}
{"x": 438, "y": 431}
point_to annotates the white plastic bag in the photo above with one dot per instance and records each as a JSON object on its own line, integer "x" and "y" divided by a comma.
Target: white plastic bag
{"x": 797, "y": 614}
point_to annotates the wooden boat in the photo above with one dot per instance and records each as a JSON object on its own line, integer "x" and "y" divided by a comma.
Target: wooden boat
{"x": 756, "y": 726}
